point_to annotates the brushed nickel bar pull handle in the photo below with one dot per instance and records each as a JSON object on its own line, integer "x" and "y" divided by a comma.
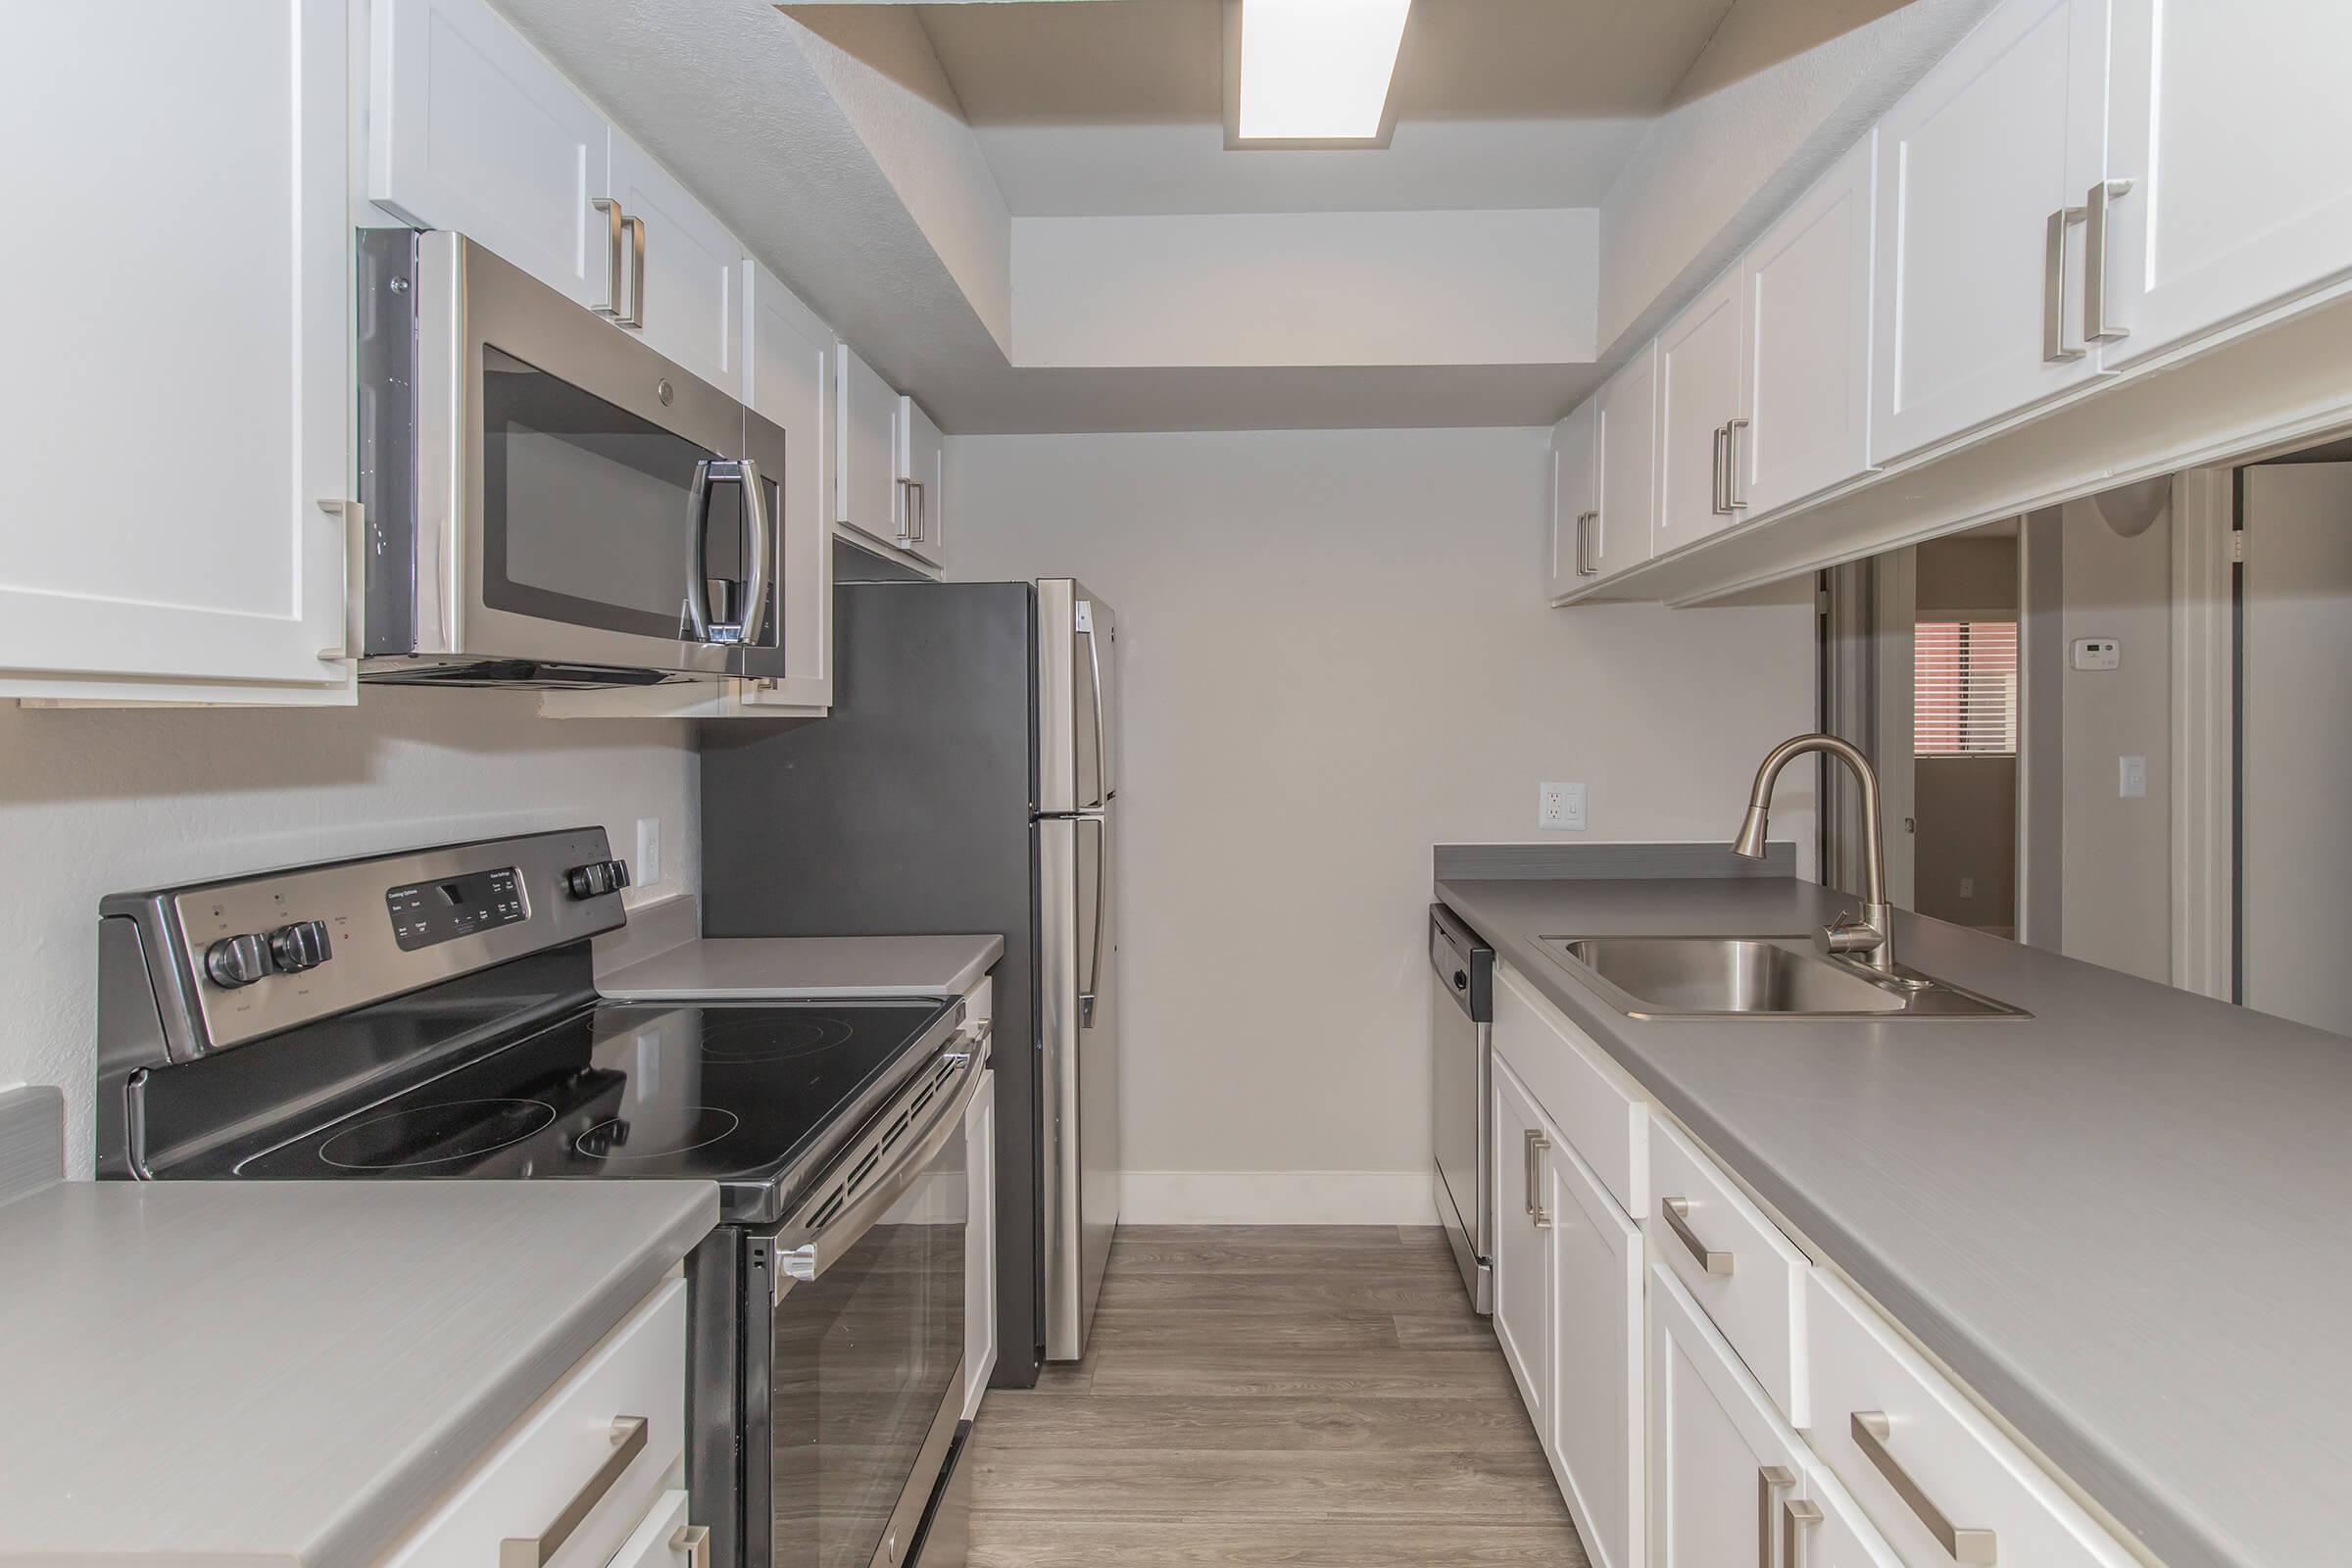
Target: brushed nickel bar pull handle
{"x": 1719, "y": 506}
{"x": 1677, "y": 1214}
{"x": 1771, "y": 1480}
{"x": 1872, "y": 1432}
{"x": 636, "y": 316}
{"x": 355, "y": 579}
{"x": 1585, "y": 566}
{"x": 2094, "y": 261}
{"x": 611, "y": 308}
{"x": 2053, "y": 287}
{"x": 1731, "y": 466}
{"x": 1798, "y": 1515}
{"x": 534, "y": 1551}
{"x": 1536, "y": 1142}
{"x": 694, "y": 1541}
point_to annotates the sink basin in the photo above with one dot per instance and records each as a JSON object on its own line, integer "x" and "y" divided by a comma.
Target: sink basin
{"x": 1753, "y": 977}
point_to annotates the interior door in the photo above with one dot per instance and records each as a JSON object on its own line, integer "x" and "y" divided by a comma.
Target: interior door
{"x": 2295, "y": 628}
{"x": 2229, "y": 211}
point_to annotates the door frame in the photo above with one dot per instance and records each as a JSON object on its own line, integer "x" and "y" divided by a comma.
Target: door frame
{"x": 1895, "y": 595}
{"x": 2204, "y": 732}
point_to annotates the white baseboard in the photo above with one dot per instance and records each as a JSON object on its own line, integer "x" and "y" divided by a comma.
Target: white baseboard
{"x": 1276, "y": 1198}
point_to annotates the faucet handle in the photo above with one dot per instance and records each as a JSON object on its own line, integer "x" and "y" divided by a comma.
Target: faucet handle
{"x": 1850, "y": 934}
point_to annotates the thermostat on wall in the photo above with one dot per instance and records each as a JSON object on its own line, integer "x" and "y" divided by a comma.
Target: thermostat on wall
{"x": 2098, "y": 653}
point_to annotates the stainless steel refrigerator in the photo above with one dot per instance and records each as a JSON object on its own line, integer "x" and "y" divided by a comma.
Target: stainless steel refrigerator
{"x": 966, "y": 780}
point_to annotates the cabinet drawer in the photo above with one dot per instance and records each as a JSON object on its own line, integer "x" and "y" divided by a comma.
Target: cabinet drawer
{"x": 1747, "y": 1276}
{"x": 1835, "y": 1534}
{"x": 555, "y": 1455}
{"x": 1585, "y": 1093}
{"x": 663, "y": 1539}
{"x": 1942, "y": 1477}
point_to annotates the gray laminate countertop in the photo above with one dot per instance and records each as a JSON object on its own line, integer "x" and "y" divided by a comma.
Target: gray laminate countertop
{"x": 744, "y": 969}
{"x": 239, "y": 1373}
{"x": 2126, "y": 1222}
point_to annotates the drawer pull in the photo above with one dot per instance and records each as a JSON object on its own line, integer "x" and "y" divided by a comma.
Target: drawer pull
{"x": 629, "y": 1441}
{"x": 693, "y": 1542}
{"x": 1771, "y": 1480}
{"x": 1677, "y": 1212}
{"x": 1797, "y": 1515}
{"x": 1872, "y": 1432}
{"x": 1536, "y": 1142}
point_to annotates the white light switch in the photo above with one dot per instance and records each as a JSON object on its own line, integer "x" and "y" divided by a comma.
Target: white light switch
{"x": 2131, "y": 778}
{"x": 648, "y": 869}
{"x": 2098, "y": 653}
{"x": 1560, "y": 807}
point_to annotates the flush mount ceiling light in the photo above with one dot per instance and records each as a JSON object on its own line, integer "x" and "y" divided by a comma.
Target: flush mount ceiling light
{"x": 1310, "y": 73}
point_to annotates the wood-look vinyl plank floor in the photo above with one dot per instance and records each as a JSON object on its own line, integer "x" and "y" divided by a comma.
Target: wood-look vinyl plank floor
{"x": 1314, "y": 1396}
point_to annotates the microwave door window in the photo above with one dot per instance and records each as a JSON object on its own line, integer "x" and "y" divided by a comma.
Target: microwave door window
{"x": 585, "y": 506}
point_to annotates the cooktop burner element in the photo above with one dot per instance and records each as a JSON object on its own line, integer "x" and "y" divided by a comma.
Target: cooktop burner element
{"x": 621, "y": 1138}
{"x": 764, "y": 1037}
{"x": 434, "y": 1135}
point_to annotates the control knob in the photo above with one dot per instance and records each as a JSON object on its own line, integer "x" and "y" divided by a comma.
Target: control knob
{"x": 597, "y": 878}
{"x": 235, "y": 961}
{"x": 303, "y": 945}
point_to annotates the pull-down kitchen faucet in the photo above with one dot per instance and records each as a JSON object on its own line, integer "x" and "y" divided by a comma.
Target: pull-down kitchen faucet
{"x": 1866, "y": 938}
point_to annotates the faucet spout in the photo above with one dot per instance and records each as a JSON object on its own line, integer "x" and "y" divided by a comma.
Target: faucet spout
{"x": 1867, "y": 938}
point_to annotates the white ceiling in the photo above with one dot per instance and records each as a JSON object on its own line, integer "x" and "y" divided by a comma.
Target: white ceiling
{"x": 1117, "y": 107}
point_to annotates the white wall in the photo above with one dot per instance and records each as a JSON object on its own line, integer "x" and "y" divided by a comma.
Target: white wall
{"x": 2117, "y": 886}
{"x": 1495, "y": 287}
{"x": 94, "y": 803}
{"x": 1335, "y": 655}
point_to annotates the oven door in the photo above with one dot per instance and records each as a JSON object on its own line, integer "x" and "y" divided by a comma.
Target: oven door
{"x": 854, "y": 1375}
{"x": 577, "y": 498}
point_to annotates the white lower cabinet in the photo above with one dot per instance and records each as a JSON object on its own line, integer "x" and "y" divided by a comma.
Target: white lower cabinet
{"x": 1722, "y": 1465}
{"x": 1596, "y": 1340}
{"x": 598, "y": 1460}
{"x": 1522, "y": 1141}
{"x": 665, "y": 1539}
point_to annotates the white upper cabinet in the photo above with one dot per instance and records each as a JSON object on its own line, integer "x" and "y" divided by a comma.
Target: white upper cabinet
{"x": 1627, "y": 413}
{"x": 1804, "y": 298}
{"x": 919, "y": 479}
{"x": 1699, "y": 416}
{"x": 787, "y": 356}
{"x": 685, "y": 291}
{"x": 181, "y": 337}
{"x": 2231, "y": 123}
{"x": 1575, "y": 499}
{"x": 469, "y": 129}
{"x": 865, "y": 441}
{"x": 1982, "y": 171}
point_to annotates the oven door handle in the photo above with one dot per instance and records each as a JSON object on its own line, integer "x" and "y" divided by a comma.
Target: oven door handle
{"x": 805, "y": 1255}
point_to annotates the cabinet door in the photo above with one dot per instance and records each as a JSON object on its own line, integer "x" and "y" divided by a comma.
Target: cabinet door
{"x": 1575, "y": 469}
{"x": 1597, "y": 1363}
{"x": 1974, "y": 163}
{"x": 1628, "y": 465}
{"x": 787, "y": 359}
{"x": 469, "y": 128}
{"x": 687, "y": 291}
{"x": 661, "y": 1539}
{"x": 182, "y": 276}
{"x": 919, "y": 481}
{"x": 1722, "y": 1467}
{"x": 1523, "y": 1207}
{"x": 1834, "y": 1533}
{"x": 1805, "y": 297}
{"x": 2231, "y": 122}
{"x": 980, "y": 1245}
{"x": 865, "y": 416}
{"x": 1698, "y": 399}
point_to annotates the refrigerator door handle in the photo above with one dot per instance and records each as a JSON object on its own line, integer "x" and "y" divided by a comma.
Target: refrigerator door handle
{"x": 1093, "y": 660}
{"x": 1093, "y": 961}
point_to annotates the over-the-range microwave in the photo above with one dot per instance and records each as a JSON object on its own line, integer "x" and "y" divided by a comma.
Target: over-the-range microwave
{"x": 548, "y": 501}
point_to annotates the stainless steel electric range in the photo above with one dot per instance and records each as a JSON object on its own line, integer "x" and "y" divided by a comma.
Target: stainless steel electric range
{"x": 432, "y": 1015}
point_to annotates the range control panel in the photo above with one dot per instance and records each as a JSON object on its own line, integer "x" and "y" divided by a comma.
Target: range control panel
{"x": 426, "y": 912}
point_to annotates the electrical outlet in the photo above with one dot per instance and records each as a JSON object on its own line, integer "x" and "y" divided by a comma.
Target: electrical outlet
{"x": 1968, "y": 887}
{"x": 648, "y": 869}
{"x": 2131, "y": 778}
{"x": 1560, "y": 807}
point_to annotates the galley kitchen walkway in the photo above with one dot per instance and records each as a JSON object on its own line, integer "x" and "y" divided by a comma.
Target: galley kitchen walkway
{"x": 1316, "y": 1396}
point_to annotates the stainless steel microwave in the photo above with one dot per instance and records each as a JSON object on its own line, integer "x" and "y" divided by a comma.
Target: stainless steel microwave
{"x": 548, "y": 501}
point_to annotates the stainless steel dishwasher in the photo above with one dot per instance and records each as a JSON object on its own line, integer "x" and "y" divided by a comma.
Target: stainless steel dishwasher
{"x": 1461, "y": 1045}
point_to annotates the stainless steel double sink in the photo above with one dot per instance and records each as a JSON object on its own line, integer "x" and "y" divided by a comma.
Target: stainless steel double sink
{"x": 1755, "y": 977}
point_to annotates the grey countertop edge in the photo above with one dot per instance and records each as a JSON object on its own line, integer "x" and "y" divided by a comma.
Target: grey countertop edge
{"x": 684, "y": 970}
{"x": 2166, "y": 1529}
{"x": 414, "y": 1482}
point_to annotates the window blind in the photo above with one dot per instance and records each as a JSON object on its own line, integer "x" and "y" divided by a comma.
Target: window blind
{"x": 1964, "y": 688}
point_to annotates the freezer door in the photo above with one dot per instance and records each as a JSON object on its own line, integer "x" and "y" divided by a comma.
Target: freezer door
{"x": 1080, "y": 1037}
{"x": 1077, "y": 696}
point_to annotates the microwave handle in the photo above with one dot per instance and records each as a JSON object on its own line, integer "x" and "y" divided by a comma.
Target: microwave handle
{"x": 759, "y": 546}
{"x": 698, "y": 550}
